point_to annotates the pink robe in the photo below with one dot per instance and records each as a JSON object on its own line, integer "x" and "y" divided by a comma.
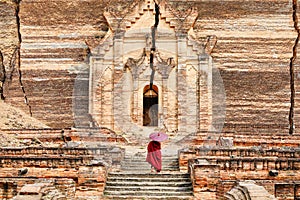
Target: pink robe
{"x": 154, "y": 155}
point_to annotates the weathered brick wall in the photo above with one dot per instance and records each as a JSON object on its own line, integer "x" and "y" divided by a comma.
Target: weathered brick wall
{"x": 288, "y": 190}
{"x": 205, "y": 180}
{"x": 8, "y": 32}
{"x": 216, "y": 153}
{"x": 254, "y": 45}
{"x": 8, "y": 189}
{"x": 54, "y": 49}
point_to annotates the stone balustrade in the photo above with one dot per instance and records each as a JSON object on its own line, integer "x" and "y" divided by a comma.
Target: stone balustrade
{"x": 37, "y": 131}
{"x": 251, "y": 163}
{"x": 76, "y": 151}
{"x": 254, "y": 152}
{"x": 250, "y": 152}
{"x": 45, "y": 161}
{"x": 58, "y": 157}
{"x": 231, "y": 154}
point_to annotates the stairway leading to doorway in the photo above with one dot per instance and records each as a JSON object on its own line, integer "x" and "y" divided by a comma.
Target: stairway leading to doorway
{"x": 135, "y": 181}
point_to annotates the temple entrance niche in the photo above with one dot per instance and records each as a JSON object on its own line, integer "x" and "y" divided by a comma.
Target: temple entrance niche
{"x": 150, "y": 106}
{"x": 145, "y": 78}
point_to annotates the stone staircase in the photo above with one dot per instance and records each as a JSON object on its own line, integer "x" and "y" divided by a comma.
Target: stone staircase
{"x": 138, "y": 164}
{"x": 135, "y": 181}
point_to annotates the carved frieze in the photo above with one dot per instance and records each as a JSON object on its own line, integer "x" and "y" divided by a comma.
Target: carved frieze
{"x": 134, "y": 65}
{"x": 164, "y": 66}
{"x": 138, "y": 66}
{"x": 121, "y": 16}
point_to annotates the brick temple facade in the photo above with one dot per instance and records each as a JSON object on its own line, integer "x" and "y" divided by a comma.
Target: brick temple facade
{"x": 55, "y": 49}
{"x": 151, "y": 51}
{"x": 219, "y": 77}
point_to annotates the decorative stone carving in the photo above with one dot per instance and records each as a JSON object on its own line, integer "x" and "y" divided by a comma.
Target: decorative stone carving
{"x": 164, "y": 67}
{"x": 135, "y": 51}
{"x": 184, "y": 15}
{"x": 134, "y": 65}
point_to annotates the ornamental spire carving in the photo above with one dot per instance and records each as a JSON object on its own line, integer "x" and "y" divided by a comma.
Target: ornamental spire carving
{"x": 123, "y": 14}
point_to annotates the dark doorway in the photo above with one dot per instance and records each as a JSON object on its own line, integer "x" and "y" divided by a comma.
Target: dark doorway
{"x": 150, "y": 106}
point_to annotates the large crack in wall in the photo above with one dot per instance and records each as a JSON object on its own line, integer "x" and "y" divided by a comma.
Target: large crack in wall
{"x": 292, "y": 70}
{"x": 153, "y": 48}
{"x": 19, "y": 56}
{"x": 2, "y": 76}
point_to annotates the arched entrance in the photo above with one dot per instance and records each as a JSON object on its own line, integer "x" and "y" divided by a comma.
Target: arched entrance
{"x": 150, "y": 106}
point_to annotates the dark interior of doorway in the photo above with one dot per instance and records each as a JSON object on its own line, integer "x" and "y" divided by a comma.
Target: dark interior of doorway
{"x": 150, "y": 107}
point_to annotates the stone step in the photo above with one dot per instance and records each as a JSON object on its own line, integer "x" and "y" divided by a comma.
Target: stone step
{"x": 146, "y": 164}
{"x": 147, "y": 167}
{"x": 164, "y": 159}
{"x": 148, "y": 170}
{"x": 143, "y": 188}
{"x": 149, "y": 193}
{"x": 148, "y": 198}
{"x": 147, "y": 175}
{"x": 131, "y": 168}
{"x": 145, "y": 184}
{"x": 139, "y": 163}
{"x": 136, "y": 181}
{"x": 143, "y": 160}
{"x": 146, "y": 179}
{"x": 140, "y": 159}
